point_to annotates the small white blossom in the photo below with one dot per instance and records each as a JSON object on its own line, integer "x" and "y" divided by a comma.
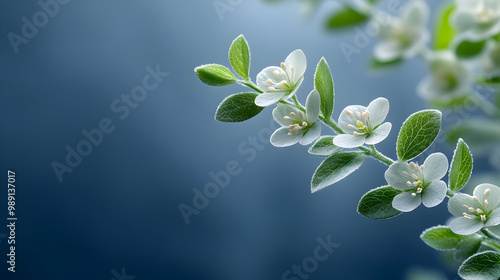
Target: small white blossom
{"x": 476, "y": 20}
{"x": 281, "y": 82}
{"x": 297, "y": 126}
{"x": 420, "y": 184}
{"x": 477, "y": 211}
{"x": 449, "y": 78}
{"x": 404, "y": 37}
{"x": 363, "y": 124}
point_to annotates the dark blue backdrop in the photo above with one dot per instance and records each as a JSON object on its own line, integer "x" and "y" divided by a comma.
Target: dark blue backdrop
{"x": 117, "y": 212}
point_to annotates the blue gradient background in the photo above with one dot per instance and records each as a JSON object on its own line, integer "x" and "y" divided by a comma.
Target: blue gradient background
{"x": 119, "y": 208}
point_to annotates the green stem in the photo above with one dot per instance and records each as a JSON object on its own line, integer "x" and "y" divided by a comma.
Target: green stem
{"x": 376, "y": 154}
{"x": 450, "y": 193}
{"x": 251, "y": 85}
{"x": 331, "y": 123}
{"x": 297, "y": 103}
{"x": 488, "y": 234}
{"x": 486, "y": 106}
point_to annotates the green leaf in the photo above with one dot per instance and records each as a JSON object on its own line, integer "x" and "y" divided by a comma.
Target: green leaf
{"x": 345, "y": 17}
{"x": 215, "y": 75}
{"x": 468, "y": 49}
{"x": 461, "y": 167}
{"x": 239, "y": 56}
{"x": 417, "y": 133}
{"x": 323, "y": 83}
{"x": 377, "y": 203}
{"x": 238, "y": 107}
{"x": 467, "y": 247}
{"x": 335, "y": 168}
{"x": 455, "y": 102}
{"x": 478, "y": 133}
{"x": 444, "y": 31}
{"x": 441, "y": 238}
{"x": 376, "y": 64}
{"x": 323, "y": 146}
{"x": 481, "y": 266}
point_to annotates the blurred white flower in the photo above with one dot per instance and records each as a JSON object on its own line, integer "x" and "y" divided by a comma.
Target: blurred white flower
{"x": 476, "y": 20}
{"x": 281, "y": 82}
{"x": 363, "y": 124}
{"x": 449, "y": 78}
{"x": 491, "y": 59}
{"x": 404, "y": 37}
{"x": 477, "y": 211}
{"x": 420, "y": 184}
{"x": 297, "y": 126}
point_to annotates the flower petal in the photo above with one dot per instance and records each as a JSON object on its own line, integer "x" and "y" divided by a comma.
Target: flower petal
{"x": 312, "y": 134}
{"x": 348, "y": 141}
{"x": 268, "y": 98}
{"x": 415, "y": 13}
{"x": 405, "y": 202}
{"x": 435, "y": 167}
{"x": 346, "y": 120}
{"x": 379, "y": 134}
{"x": 297, "y": 59}
{"x": 388, "y": 50}
{"x": 280, "y": 137}
{"x": 434, "y": 194}
{"x": 493, "y": 198}
{"x": 395, "y": 177}
{"x": 283, "y": 110}
{"x": 313, "y": 103}
{"x": 268, "y": 74}
{"x": 465, "y": 226}
{"x": 378, "y": 109}
{"x": 493, "y": 219}
{"x": 457, "y": 202}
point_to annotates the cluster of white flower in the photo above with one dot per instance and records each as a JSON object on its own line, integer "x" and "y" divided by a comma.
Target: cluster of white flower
{"x": 475, "y": 22}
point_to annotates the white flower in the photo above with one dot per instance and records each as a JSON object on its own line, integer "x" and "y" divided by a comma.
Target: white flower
{"x": 449, "y": 78}
{"x": 491, "y": 59}
{"x": 297, "y": 126}
{"x": 363, "y": 124}
{"x": 281, "y": 82}
{"x": 404, "y": 37}
{"x": 477, "y": 211}
{"x": 420, "y": 184}
{"x": 476, "y": 20}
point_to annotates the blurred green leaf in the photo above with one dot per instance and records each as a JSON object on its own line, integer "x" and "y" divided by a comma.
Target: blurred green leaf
{"x": 468, "y": 49}
{"x": 345, "y": 17}
{"x": 444, "y": 32}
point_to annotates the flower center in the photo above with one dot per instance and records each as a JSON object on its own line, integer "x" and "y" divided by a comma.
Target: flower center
{"x": 447, "y": 79}
{"x": 286, "y": 82}
{"x": 485, "y": 15}
{"x": 361, "y": 119}
{"x": 298, "y": 123}
{"x": 481, "y": 211}
{"x": 415, "y": 179}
